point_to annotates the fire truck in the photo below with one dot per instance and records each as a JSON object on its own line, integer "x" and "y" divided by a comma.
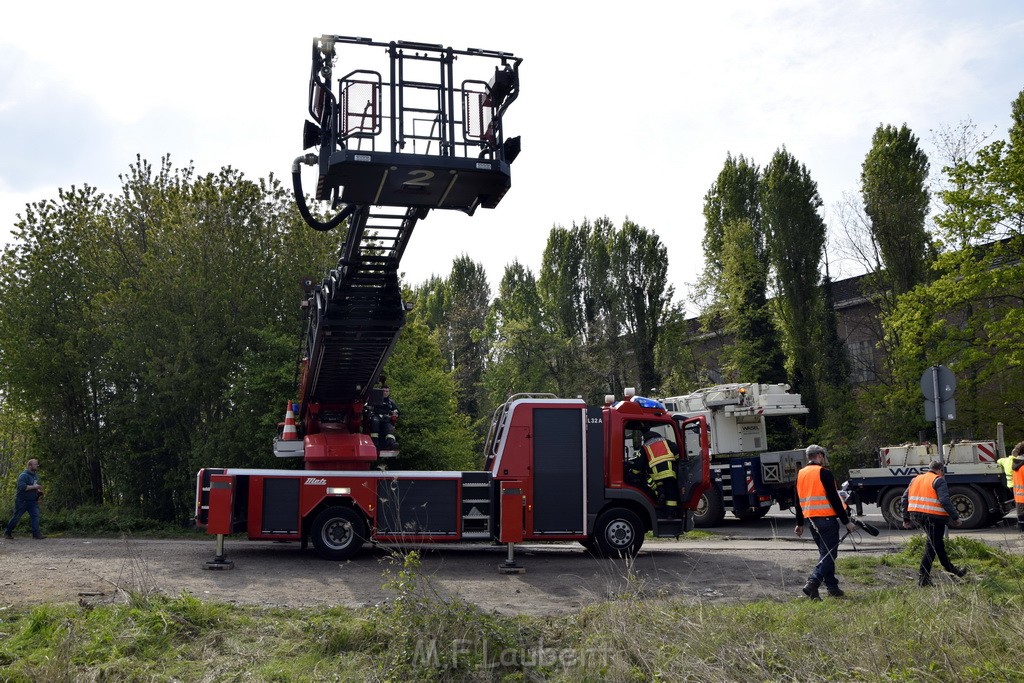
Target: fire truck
{"x": 747, "y": 479}
{"x": 424, "y": 130}
{"x": 977, "y": 484}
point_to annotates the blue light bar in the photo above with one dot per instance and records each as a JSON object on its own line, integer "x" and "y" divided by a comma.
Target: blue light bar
{"x": 648, "y": 402}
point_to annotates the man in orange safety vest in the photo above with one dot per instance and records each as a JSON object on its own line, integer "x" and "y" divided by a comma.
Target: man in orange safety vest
{"x": 926, "y": 503}
{"x": 817, "y": 500}
{"x": 1018, "y": 483}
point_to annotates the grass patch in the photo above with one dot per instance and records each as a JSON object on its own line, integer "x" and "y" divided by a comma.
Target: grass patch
{"x": 952, "y": 632}
{"x": 109, "y": 521}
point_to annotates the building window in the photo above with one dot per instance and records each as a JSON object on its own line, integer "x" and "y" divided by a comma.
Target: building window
{"x": 862, "y": 361}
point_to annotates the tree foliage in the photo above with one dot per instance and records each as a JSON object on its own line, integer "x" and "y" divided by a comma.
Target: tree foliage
{"x": 154, "y": 332}
{"x": 970, "y": 315}
{"x": 433, "y": 433}
{"x": 525, "y": 352}
{"x": 605, "y": 291}
{"x": 894, "y": 180}
{"x": 796, "y": 239}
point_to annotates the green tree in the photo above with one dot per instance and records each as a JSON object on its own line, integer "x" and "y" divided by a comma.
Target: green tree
{"x": 894, "y": 180}
{"x": 455, "y": 309}
{"x": 639, "y": 266}
{"x": 970, "y": 315}
{"x": 153, "y": 332}
{"x": 755, "y": 354}
{"x": 523, "y": 350}
{"x": 796, "y": 241}
{"x": 735, "y": 279}
{"x": 432, "y": 432}
{"x": 734, "y": 196}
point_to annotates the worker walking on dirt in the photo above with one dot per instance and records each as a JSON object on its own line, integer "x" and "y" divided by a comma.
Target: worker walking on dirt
{"x": 28, "y": 491}
{"x": 926, "y": 504}
{"x": 817, "y": 499}
{"x": 1018, "y": 483}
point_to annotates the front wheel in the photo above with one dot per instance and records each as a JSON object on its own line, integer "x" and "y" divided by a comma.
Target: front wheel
{"x": 619, "y": 533}
{"x": 338, "y": 533}
{"x": 971, "y": 506}
{"x": 710, "y": 509}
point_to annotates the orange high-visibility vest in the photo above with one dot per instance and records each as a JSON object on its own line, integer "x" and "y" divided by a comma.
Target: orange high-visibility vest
{"x": 1018, "y": 485}
{"x": 811, "y": 492}
{"x": 659, "y": 459}
{"x": 923, "y": 497}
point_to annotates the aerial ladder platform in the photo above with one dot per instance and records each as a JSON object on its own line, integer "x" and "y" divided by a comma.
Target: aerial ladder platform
{"x": 421, "y": 128}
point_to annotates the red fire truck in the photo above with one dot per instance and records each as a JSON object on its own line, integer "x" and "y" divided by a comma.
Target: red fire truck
{"x": 556, "y": 470}
{"x": 424, "y": 132}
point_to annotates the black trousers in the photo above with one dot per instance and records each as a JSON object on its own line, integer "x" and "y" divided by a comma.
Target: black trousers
{"x": 935, "y": 541}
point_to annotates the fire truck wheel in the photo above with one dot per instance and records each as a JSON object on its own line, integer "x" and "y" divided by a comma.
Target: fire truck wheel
{"x": 619, "y": 533}
{"x": 971, "y": 506}
{"x": 710, "y": 509}
{"x": 891, "y": 508}
{"x": 338, "y": 533}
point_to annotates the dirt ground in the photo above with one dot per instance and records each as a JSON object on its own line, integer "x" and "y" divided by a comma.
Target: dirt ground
{"x": 558, "y": 578}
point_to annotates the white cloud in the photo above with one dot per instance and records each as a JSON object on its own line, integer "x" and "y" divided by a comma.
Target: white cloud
{"x": 626, "y": 110}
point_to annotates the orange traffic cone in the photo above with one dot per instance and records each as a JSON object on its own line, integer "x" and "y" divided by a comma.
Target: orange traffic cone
{"x": 289, "y": 433}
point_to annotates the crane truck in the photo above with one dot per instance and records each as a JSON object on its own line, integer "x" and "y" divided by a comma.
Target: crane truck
{"x": 747, "y": 479}
{"x": 977, "y": 484}
{"x": 425, "y": 131}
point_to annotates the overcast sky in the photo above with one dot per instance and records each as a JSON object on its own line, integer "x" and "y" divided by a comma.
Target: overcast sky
{"x": 628, "y": 109}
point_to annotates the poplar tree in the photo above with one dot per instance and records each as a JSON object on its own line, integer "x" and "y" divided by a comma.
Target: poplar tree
{"x": 894, "y": 179}
{"x": 796, "y": 239}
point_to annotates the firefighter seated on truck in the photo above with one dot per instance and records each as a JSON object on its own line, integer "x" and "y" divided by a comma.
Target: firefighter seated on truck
{"x": 382, "y": 416}
{"x": 657, "y": 470}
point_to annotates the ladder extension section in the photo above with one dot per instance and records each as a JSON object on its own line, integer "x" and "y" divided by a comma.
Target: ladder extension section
{"x": 358, "y": 308}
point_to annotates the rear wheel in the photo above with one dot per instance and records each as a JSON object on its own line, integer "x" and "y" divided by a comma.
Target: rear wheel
{"x": 619, "y": 533}
{"x": 338, "y": 533}
{"x": 971, "y": 506}
{"x": 710, "y": 509}
{"x": 891, "y": 507}
{"x": 751, "y": 515}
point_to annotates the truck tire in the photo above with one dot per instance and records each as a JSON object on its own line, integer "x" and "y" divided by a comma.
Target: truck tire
{"x": 891, "y": 509}
{"x": 618, "y": 533}
{"x": 710, "y": 509}
{"x": 971, "y": 505}
{"x": 338, "y": 533}
{"x": 751, "y": 516}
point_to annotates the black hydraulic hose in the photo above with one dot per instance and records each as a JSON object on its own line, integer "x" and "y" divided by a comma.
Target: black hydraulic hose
{"x": 300, "y": 200}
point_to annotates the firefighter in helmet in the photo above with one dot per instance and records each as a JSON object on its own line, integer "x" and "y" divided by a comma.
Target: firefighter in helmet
{"x": 661, "y": 464}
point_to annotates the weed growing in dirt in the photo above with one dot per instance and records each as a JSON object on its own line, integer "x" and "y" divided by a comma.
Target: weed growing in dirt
{"x": 951, "y": 632}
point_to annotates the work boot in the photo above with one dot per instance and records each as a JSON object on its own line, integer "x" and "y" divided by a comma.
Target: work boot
{"x": 835, "y": 591}
{"x": 8, "y": 536}
{"x": 38, "y": 537}
{"x": 810, "y": 589}
{"x": 958, "y": 572}
{"x": 924, "y": 580}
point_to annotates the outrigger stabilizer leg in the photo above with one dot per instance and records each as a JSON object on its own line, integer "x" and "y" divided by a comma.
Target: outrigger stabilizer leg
{"x": 509, "y": 566}
{"x": 220, "y": 560}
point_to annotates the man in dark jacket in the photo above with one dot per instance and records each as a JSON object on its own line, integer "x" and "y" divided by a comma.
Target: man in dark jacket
{"x": 926, "y": 504}
{"x": 383, "y": 416}
{"x": 26, "y": 499}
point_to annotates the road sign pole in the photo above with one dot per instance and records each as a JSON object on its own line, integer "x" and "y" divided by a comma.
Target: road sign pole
{"x": 938, "y": 410}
